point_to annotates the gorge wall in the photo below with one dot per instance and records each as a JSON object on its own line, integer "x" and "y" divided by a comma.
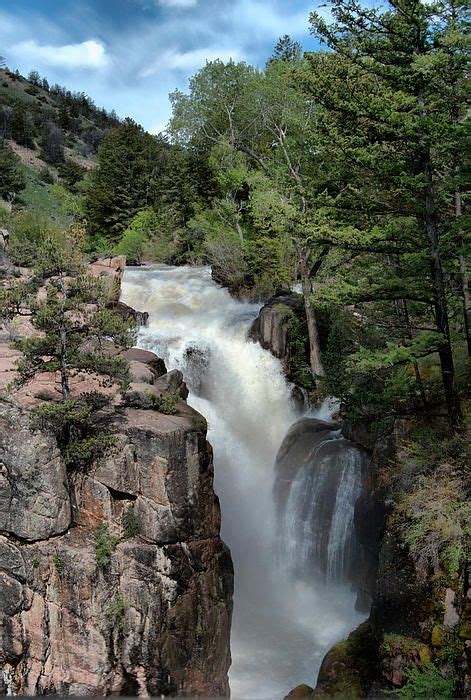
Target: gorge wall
{"x": 89, "y": 607}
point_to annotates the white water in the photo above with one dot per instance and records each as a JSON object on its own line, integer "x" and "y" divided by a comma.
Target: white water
{"x": 282, "y": 626}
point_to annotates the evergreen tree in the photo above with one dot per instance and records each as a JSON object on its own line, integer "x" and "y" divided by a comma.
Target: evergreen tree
{"x": 384, "y": 93}
{"x": 12, "y": 180}
{"x": 122, "y": 183}
{"x": 74, "y": 319}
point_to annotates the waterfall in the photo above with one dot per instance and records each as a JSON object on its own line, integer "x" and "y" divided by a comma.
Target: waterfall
{"x": 284, "y": 619}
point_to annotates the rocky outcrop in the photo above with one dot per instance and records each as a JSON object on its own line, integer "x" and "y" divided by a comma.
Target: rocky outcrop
{"x": 415, "y": 622}
{"x": 270, "y": 328}
{"x": 92, "y": 605}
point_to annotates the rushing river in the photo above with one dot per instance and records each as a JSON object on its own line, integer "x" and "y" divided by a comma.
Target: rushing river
{"x": 285, "y": 617}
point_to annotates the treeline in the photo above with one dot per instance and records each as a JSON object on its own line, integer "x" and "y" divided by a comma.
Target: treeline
{"x": 340, "y": 170}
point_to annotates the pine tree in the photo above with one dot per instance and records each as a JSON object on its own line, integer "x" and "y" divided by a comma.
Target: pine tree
{"x": 12, "y": 180}
{"x": 122, "y": 183}
{"x": 74, "y": 319}
{"x": 387, "y": 114}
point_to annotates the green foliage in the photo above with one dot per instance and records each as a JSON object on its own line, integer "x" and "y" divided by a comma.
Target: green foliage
{"x": 435, "y": 514}
{"x": 58, "y": 564}
{"x": 427, "y": 682}
{"x": 130, "y": 522}
{"x": 147, "y": 400}
{"x": 78, "y": 427}
{"x": 116, "y": 613}
{"x": 71, "y": 173}
{"x": 142, "y": 228}
{"x": 46, "y": 176}
{"x": 12, "y": 180}
{"x": 105, "y": 544}
{"x": 119, "y": 187}
{"x": 35, "y": 562}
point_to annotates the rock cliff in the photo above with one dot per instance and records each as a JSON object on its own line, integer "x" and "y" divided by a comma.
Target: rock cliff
{"x": 114, "y": 579}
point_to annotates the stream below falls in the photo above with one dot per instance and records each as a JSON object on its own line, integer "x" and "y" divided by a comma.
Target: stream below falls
{"x": 290, "y": 606}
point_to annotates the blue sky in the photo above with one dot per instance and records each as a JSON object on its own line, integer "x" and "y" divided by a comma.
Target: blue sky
{"x": 129, "y": 54}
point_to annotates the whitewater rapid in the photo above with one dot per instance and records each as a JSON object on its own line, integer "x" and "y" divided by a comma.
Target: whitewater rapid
{"x": 282, "y": 625}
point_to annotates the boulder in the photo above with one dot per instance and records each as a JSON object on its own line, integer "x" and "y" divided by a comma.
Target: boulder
{"x": 146, "y": 357}
{"x": 270, "y": 328}
{"x": 140, "y": 318}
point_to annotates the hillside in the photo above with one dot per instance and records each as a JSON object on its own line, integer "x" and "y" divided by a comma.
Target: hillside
{"x": 56, "y": 134}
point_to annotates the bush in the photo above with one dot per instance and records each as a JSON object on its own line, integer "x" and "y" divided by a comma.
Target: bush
{"x": 130, "y": 522}
{"x": 140, "y": 230}
{"x": 76, "y": 427}
{"x": 433, "y": 505}
{"x": 45, "y": 175}
{"x": 115, "y": 613}
{"x": 163, "y": 403}
{"x": 105, "y": 545}
{"x": 427, "y": 682}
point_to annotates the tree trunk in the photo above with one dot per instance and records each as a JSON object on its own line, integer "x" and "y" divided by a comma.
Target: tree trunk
{"x": 313, "y": 332}
{"x": 441, "y": 313}
{"x": 464, "y": 282}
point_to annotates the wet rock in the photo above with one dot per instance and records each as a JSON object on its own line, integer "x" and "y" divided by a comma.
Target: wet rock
{"x": 171, "y": 383}
{"x": 270, "y": 328}
{"x": 140, "y": 318}
{"x": 301, "y": 691}
{"x": 348, "y": 668}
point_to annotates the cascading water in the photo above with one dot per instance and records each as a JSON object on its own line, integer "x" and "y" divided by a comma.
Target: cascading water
{"x": 284, "y": 619}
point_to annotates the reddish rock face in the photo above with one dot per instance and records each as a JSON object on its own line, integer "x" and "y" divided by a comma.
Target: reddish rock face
{"x": 153, "y": 620}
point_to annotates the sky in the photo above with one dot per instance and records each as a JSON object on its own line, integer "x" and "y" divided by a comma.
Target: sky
{"x": 127, "y": 55}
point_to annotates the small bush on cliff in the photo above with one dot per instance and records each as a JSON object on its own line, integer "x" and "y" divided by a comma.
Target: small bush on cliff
{"x": 163, "y": 403}
{"x": 77, "y": 425}
{"x": 105, "y": 544}
{"x": 130, "y": 522}
{"x": 432, "y": 504}
{"x": 427, "y": 682}
{"x": 115, "y": 613}
{"x": 73, "y": 322}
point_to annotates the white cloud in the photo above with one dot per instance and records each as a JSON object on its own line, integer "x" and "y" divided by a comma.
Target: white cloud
{"x": 87, "y": 54}
{"x": 189, "y": 61}
{"x": 177, "y": 3}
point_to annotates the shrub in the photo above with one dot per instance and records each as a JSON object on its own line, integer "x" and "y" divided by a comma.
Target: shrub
{"x": 427, "y": 682}
{"x": 130, "y": 522}
{"x": 147, "y": 400}
{"x": 115, "y": 613}
{"x": 436, "y": 515}
{"x": 105, "y": 544}
{"x": 45, "y": 175}
{"x": 57, "y": 563}
{"x": 76, "y": 426}
{"x": 141, "y": 228}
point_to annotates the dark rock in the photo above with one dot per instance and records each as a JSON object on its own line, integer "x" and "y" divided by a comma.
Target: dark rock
{"x": 270, "y": 326}
{"x": 171, "y": 383}
{"x": 146, "y": 357}
{"x": 348, "y": 669}
{"x": 140, "y": 318}
{"x": 301, "y": 691}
